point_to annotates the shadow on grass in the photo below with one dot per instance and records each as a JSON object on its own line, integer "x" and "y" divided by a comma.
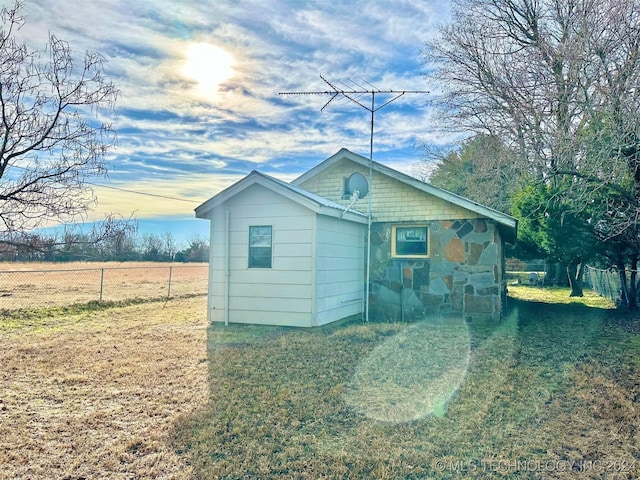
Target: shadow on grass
{"x": 556, "y": 333}
{"x": 546, "y": 343}
{"x": 528, "y": 395}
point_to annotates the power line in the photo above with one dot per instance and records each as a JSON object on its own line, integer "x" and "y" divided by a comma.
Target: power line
{"x": 166, "y": 197}
{"x": 143, "y": 193}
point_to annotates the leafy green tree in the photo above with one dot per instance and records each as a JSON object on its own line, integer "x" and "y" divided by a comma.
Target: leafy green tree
{"x": 452, "y": 172}
{"x": 551, "y": 226}
{"x": 482, "y": 169}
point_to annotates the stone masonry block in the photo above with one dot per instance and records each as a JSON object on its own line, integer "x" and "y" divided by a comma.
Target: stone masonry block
{"x": 479, "y": 304}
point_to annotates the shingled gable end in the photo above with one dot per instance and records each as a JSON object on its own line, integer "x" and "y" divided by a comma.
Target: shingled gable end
{"x": 295, "y": 254}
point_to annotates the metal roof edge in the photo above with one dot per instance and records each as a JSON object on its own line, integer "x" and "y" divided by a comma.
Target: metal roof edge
{"x": 307, "y": 199}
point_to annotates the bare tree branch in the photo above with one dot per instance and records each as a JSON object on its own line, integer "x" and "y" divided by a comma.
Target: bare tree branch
{"x": 51, "y": 136}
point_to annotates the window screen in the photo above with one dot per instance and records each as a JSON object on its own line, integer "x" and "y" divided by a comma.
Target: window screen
{"x": 411, "y": 241}
{"x": 260, "y": 246}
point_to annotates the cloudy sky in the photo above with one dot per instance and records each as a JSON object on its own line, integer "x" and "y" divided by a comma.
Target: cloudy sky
{"x": 200, "y": 82}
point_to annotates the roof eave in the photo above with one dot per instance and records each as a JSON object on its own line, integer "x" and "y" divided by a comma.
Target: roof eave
{"x": 255, "y": 177}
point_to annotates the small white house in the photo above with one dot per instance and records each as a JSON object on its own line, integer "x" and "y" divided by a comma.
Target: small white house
{"x": 305, "y": 254}
{"x": 281, "y": 255}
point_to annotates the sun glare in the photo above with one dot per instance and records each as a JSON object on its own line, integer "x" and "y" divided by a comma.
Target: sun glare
{"x": 208, "y": 66}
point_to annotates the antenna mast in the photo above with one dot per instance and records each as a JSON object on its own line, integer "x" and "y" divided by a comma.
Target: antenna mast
{"x": 350, "y": 94}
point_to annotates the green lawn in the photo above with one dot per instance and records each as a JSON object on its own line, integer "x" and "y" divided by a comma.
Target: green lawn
{"x": 551, "y": 392}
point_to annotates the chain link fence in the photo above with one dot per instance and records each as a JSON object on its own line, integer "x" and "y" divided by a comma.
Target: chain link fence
{"x": 533, "y": 272}
{"x": 605, "y": 282}
{"x": 21, "y": 287}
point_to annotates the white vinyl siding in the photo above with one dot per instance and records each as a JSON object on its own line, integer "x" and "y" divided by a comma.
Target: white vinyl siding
{"x": 339, "y": 269}
{"x": 317, "y": 263}
{"x": 280, "y": 295}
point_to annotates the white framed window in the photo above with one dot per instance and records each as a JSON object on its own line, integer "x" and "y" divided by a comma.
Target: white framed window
{"x": 260, "y": 246}
{"x": 410, "y": 241}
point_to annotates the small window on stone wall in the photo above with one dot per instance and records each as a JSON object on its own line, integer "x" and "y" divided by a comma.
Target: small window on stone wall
{"x": 410, "y": 241}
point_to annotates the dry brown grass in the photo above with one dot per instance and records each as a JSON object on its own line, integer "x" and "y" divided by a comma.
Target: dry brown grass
{"x": 551, "y": 392}
{"x": 28, "y": 285}
{"x": 96, "y": 394}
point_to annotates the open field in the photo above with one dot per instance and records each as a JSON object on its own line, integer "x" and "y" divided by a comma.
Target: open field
{"x": 96, "y": 393}
{"x": 28, "y": 285}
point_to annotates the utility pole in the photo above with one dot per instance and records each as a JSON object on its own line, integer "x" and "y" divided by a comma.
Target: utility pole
{"x": 350, "y": 94}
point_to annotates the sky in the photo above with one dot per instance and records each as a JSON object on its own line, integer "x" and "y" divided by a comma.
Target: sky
{"x": 200, "y": 83}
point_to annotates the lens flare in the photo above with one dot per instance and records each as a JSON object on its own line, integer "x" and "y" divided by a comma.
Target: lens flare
{"x": 414, "y": 373}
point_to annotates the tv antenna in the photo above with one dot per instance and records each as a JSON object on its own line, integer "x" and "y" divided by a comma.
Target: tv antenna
{"x": 354, "y": 95}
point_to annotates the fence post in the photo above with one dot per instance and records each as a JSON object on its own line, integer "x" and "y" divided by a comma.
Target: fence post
{"x": 169, "y": 289}
{"x": 101, "y": 283}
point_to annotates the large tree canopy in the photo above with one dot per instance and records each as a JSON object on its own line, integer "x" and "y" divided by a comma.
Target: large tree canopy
{"x": 558, "y": 82}
{"x": 482, "y": 169}
{"x": 51, "y": 137}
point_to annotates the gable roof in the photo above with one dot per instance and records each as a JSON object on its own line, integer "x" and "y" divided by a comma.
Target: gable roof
{"x": 316, "y": 203}
{"x": 508, "y": 224}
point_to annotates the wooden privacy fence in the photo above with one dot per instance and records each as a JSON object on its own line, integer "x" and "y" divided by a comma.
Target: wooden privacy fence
{"x": 61, "y": 286}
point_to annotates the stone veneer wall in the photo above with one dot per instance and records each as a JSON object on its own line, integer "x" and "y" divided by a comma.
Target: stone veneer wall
{"x": 463, "y": 274}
